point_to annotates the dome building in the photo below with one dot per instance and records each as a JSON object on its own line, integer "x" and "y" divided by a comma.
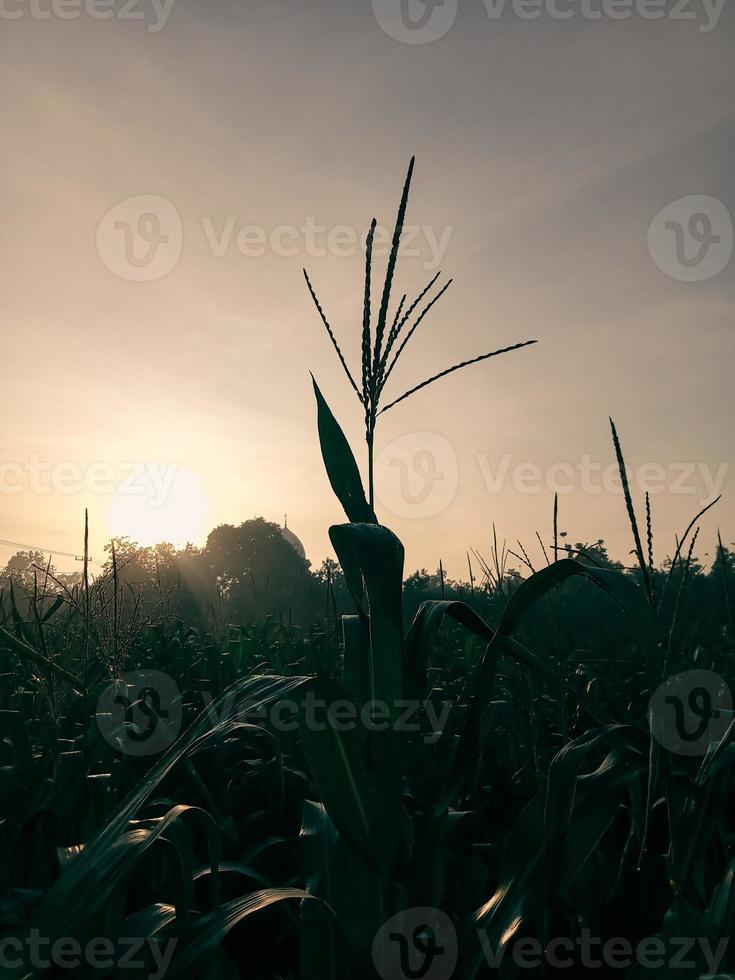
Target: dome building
{"x": 288, "y": 535}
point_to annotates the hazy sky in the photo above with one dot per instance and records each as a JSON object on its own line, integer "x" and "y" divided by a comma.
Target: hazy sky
{"x": 545, "y": 150}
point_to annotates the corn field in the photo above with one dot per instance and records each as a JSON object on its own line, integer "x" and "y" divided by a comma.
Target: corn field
{"x": 474, "y": 793}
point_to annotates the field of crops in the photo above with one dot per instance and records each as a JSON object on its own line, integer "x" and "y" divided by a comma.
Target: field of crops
{"x": 536, "y": 778}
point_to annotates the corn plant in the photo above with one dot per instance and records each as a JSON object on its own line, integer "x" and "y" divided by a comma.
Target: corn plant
{"x": 378, "y": 840}
{"x": 382, "y": 345}
{"x": 541, "y": 805}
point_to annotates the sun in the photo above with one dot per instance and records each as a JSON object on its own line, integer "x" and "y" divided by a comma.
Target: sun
{"x": 167, "y": 504}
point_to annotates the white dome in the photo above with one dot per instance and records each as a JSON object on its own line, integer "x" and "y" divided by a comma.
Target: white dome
{"x": 295, "y": 543}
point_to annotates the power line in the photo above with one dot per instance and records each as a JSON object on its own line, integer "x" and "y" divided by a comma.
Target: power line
{"x": 46, "y": 551}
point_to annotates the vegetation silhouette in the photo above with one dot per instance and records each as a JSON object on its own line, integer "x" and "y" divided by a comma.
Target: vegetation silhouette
{"x": 497, "y": 749}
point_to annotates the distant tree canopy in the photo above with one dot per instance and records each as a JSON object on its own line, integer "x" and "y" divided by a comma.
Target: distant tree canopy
{"x": 32, "y": 569}
{"x": 253, "y": 565}
{"x": 24, "y": 566}
{"x": 250, "y": 571}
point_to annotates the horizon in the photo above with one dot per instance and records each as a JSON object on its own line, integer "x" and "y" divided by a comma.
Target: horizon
{"x": 69, "y": 562}
{"x": 156, "y": 315}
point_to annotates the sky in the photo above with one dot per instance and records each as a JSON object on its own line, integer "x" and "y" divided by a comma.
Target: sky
{"x": 169, "y": 168}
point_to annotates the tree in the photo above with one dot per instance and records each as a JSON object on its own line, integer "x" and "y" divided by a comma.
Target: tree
{"x": 257, "y": 569}
{"x": 165, "y": 578}
{"x": 20, "y": 568}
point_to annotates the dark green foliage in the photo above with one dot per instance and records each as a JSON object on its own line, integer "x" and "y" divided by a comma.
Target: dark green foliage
{"x": 525, "y": 795}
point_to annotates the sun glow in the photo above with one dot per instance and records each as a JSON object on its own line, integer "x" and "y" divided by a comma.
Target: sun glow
{"x": 168, "y": 505}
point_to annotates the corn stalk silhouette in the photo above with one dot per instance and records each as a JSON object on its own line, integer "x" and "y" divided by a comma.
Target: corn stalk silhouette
{"x": 383, "y": 345}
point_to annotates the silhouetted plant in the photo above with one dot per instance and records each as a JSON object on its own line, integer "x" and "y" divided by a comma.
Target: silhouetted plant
{"x": 379, "y": 342}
